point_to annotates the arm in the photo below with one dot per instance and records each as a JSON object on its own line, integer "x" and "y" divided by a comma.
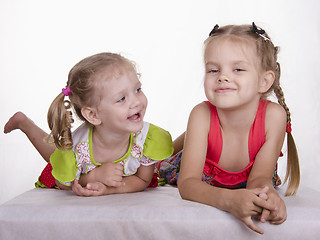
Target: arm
{"x": 62, "y": 187}
{"x": 266, "y": 159}
{"x": 134, "y": 183}
{"x": 242, "y": 203}
{"x": 178, "y": 143}
{"x": 110, "y": 174}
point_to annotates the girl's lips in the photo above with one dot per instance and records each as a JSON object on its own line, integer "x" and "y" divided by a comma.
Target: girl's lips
{"x": 135, "y": 117}
{"x": 224, "y": 90}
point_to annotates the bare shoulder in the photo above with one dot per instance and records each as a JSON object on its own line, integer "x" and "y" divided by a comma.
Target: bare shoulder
{"x": 200, "y": 109}
{"x": 200, "y": 115}
{"x": 275, "y": 110}
{"x": 276, "y": 116}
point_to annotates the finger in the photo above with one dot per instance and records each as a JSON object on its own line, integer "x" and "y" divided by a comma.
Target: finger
{"x": 117, "y": 178}
{"x": 117, "y": 184}
{"x": 119, "y": 167}
{"x": 94, "y": 187}
{"x": 264, "y": 204}
{"x": 248, "y": 221}
{"x": 277, "y": 218}
{"x": 91, "y": 186}
{"x": 86, "y": 192}
{"x": 265, "y": 215}
{"x": 258, "y": 191}
{"x": 278, "y": 222}
{"x": 75, "y": 184}
{"x": 76, "y": 188}
{"x": 263, "y": 196}
{"x": 256, "y": 210}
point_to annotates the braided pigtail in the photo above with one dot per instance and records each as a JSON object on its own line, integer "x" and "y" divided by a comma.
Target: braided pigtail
{"x": 293, "y": 169}
{"x": 59, "y": 121}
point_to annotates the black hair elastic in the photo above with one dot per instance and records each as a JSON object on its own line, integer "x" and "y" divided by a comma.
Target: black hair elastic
{"x": 214, "y": 30}
{"x": 259, "y": 31}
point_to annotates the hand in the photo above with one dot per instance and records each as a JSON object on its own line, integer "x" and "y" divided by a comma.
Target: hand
{"x": 247, "y": 203}
{"x": 274, "y": 217}
{"x": 92, "y": 189}
{"x": 110, "y": 174}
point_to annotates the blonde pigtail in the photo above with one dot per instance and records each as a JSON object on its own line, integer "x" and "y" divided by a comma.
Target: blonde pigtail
{"x": 59, "y": 121}
{"x": 293, "y": 169}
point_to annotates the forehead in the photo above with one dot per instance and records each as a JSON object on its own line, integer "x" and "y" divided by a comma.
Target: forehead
{"x": 230, "y": 47}
{"x": 117, "y": 79}
{"x": 113, "y": 71}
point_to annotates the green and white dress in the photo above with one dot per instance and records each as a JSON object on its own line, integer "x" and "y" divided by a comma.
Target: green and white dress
{"x": 148, "y": 146}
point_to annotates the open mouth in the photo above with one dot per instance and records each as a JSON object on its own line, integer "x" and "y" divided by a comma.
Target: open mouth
{"x": 135, "y": 116}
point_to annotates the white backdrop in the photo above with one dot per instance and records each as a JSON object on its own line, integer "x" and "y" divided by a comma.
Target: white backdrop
{"x": 41, "y": 40}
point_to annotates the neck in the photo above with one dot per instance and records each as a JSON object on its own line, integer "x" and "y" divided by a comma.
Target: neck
{"x": 109, "y": 139}
{"x": 240, "y": 118}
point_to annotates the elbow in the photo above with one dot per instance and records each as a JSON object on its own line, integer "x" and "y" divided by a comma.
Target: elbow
{"x": 182, "y": 187}
{"x": 259, "y": 182}
{"x": 61, "y": 186}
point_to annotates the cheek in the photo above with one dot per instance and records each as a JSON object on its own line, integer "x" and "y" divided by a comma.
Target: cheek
{"x": 144, "y": 100}
{"x": 208, "y": 88}
{"x": 208, "y": 85}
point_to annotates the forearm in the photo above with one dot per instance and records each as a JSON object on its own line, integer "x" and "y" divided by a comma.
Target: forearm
{"x": 178, "y": 144}
{"x": 272, "y": 193}
{"x": 133, "y": 183}
{"x": 260, "y": 182}
{"x": 88, "y": 178}
{"x": 199, "y": 191}
{"x": 61, "y": 186}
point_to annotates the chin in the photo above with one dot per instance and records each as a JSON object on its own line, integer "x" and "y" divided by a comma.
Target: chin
{"x": 137, "y": 127}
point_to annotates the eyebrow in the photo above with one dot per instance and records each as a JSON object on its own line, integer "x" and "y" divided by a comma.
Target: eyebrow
{"x": 234, "y": 63}
{"x": 124, "y": 90}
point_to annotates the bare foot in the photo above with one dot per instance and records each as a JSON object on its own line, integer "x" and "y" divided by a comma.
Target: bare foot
{"x": 16, "y": 122}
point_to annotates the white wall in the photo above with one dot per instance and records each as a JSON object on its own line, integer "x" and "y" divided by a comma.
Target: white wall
{"x": 41, "y": 40}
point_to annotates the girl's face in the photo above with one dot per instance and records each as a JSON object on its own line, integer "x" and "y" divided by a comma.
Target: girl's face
{"x": 122, "y": 103}
{"x": 232, "y": 76}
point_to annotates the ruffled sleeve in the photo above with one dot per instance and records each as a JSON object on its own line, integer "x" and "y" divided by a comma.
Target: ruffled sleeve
{"x": 158, "y": 144}
{"x": 63, "y": 165}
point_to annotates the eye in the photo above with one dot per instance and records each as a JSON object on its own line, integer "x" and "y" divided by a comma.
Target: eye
{"x": 138, "y": 90}
{"x": 239, "y": 70}
{"x": 213, "y": 71}
{"x": 121, "y": 100}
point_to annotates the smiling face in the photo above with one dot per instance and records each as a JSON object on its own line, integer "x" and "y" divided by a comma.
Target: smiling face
{"x": 232, "y": 75}
{"x": 122, "y": 103}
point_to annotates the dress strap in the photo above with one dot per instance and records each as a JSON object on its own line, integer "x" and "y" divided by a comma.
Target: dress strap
{"x": 257, "y": 135}
{"x": 215, "y": 141}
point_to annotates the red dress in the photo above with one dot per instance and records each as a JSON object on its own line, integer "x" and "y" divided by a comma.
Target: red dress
{"x": 212, "y": 172}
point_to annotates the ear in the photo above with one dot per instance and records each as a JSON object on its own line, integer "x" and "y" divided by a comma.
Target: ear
{"x": 90, "y": 114}
{"x": 266, "y": 81}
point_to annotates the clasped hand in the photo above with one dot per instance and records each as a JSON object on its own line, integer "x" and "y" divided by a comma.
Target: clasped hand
{"x": 260, "y": 203}
{"x": 108, "y": 175}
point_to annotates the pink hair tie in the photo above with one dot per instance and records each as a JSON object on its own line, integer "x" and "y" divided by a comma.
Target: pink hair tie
{"x": 66, "y": 91}
{"x": 289, "y": 129}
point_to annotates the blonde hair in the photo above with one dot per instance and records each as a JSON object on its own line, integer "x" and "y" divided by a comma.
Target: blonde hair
{"x": 82, "y": 93}
{"x": 267, "y": 53}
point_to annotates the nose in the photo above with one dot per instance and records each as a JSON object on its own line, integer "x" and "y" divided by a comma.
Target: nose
{"x": 223, "y": 77}
{"x": 135, "y": 101}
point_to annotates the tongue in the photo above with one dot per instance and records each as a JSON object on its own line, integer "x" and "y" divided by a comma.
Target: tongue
{"x": 133, "y": 117}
